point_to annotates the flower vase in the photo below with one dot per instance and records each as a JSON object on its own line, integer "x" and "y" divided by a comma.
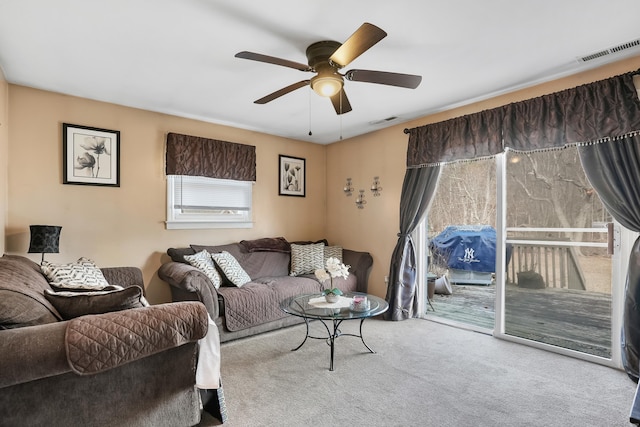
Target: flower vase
{"x": 331, "y": 298}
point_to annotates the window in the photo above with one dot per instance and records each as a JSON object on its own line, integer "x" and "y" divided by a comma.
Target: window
{"x": 199, "y": 202}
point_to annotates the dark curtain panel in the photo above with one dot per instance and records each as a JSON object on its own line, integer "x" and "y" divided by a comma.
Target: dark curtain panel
{"x": 418, "y": 189}
{"x": 613, "y": 168}
{"x": 196, "y": 156}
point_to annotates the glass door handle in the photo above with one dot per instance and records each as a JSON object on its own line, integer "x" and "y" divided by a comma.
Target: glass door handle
{"x": 610, "y": 238}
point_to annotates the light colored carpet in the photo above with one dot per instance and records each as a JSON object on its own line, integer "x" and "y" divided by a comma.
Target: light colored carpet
{"x": 423, "y": 374}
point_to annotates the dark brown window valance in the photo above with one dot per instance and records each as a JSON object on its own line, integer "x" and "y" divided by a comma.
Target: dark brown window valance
{"x": 196, "y": 156}
{"x": 604, "y": 109}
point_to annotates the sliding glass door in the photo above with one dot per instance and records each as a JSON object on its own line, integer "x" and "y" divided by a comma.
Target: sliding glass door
{"x": 462, "y": 292}
{"x": 558, "y": 241}
{"x": 557, "y": 254}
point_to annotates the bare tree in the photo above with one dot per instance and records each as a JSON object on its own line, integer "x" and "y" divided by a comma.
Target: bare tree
{"x": 544, "y": 189}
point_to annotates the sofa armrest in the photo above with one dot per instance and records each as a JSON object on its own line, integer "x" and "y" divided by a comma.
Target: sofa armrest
{"x": 361, "y": 263}
{"x": 123, "y": 276}
{"x": 190, "y": 284}
{"x": 36, "y": 352}
{"x": 97, "y": 343}
{"x": 32, "y": 353}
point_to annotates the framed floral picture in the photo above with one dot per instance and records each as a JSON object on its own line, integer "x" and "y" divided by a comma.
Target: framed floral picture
{"x": 91, "y": 156}
{"x": 292, "y": 177}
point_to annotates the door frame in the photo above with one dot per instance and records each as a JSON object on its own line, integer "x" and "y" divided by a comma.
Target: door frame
{"x": 623, "y": 242}
{"x": 618, "y": 274}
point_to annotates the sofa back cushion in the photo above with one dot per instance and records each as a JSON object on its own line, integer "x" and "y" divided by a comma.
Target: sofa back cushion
{"x": 256, "y": 264}
{"x": 22, "y": 301}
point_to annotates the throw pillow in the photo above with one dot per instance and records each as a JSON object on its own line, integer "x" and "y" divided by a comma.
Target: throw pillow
{"x": 75, "y": 304}
{"x": 308, "y": 242}
{"x": 306, "y": 259}
{"x": 203, "y": 262}
{"x": 267, "y": 244}
{"x": 332, "y": 252}
{"x": 80, "y": 275}
{"x": 231, "y": 268}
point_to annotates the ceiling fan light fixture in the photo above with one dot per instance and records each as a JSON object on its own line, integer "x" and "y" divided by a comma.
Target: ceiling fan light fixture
{"x": 326, "y": 85}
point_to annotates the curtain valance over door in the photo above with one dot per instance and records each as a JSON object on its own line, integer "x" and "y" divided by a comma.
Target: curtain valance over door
{"x": 196, "y": 156}
{"x": 604, "y": 109}
{"x": 462, "y": 138}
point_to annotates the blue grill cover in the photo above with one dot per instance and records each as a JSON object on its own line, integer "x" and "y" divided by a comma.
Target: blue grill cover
{"x": 466, "y": 247}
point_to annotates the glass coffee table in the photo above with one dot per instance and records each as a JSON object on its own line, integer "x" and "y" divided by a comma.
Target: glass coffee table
{"x": 313, "y": 307}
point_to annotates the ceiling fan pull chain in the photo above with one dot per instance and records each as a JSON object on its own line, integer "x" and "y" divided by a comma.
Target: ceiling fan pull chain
{"x": 310, "y": 113}
{"x": 341, "y": 95}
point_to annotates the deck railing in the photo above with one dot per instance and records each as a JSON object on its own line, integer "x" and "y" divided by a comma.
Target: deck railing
{"x": 555, "y": 260}
{"x": 557, "y": 265}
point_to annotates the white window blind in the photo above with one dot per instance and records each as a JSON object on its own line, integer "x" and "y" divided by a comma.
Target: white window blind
{"x": 199, "y": 202}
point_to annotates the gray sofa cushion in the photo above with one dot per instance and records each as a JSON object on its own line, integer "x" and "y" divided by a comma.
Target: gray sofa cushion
{"x": 259, "y": 301}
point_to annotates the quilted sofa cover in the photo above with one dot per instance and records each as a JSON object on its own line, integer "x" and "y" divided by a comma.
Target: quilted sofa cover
{"x": 135, "y": 367}
{"x": 255, "y": 307}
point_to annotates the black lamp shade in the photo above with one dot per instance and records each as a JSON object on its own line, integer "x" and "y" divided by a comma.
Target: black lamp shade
{"x": 44, "y": 239}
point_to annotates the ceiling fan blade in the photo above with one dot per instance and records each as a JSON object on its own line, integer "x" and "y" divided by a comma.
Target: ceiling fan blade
{"x": 283, "y": 91}
{"x": 359, "y": 42}
{"x": 272, "y": 60}
{"x": 340, "y": 102}
{"x": 384, "y": 78}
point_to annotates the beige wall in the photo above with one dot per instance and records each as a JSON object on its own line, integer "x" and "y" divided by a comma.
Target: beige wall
{"x": 125, "y": 225}
{"x": 383, "y": 154}
{"x": 4, "y": 155}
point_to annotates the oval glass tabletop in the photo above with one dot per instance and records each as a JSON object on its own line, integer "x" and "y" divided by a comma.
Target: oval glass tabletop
{"x": 313, "y": 306}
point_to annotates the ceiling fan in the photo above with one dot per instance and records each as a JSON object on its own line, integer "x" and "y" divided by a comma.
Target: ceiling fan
{"x": 326, "y": 58}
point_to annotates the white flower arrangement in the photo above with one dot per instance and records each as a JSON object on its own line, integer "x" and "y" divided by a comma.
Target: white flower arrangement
{"x": 335, "y": 268}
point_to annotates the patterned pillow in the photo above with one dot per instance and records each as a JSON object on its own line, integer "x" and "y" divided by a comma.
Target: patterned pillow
{"x": 203, "y": 262}
{"x": 332, "y": 252}
{"x": 80, "y": 275}
{"x": 306, "y": 259}
{"x": 231, "y": 268}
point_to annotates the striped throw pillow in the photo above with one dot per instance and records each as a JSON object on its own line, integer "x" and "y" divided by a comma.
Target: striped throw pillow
{"x": 80, "y": 275}
{"x": 332, "y": 252}
{"x": 203, "y": 262}
{"x": 231, "y": 268}
{"x": 306, "y": 259}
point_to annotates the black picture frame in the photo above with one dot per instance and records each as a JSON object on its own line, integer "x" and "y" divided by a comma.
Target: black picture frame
{"x": 90, "y": 156}
{"x": 292, "y": 177}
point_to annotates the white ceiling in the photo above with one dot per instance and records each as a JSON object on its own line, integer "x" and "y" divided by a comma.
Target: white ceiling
{"x": 177, "y": 56}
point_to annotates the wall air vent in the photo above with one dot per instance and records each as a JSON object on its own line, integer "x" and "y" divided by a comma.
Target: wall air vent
{"x": 610, "y": 51}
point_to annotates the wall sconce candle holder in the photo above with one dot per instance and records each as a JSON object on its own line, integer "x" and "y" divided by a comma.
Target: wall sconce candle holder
{"x": 360, "y": 201}
{"x": 348, "y": 188}
{"x": 375, "y": 187}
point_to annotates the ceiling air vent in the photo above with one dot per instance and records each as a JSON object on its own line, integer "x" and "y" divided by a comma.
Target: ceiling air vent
{"x": 610, "y": 51}
{"x": 388, "y": 119}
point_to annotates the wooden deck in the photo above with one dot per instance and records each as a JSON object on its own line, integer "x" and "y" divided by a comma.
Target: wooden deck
{"x": 573, "y": 319}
